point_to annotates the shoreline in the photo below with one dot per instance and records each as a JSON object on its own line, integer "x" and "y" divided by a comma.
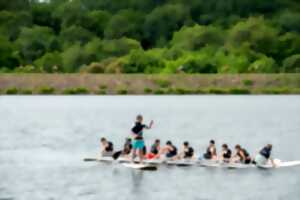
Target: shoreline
{"x": 148, "y": 84}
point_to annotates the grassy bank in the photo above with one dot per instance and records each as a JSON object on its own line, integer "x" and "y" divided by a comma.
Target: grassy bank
{"x": 122, "y": 84}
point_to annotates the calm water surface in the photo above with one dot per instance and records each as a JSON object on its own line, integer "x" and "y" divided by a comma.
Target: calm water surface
{"x": 44, "y": 138}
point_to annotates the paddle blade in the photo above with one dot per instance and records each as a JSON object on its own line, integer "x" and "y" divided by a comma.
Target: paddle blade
{"x": 89, "y": 159}
{"x": 117, "y": 155}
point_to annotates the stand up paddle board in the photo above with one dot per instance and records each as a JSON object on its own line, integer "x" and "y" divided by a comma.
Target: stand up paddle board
{"x": 280, "y": 164}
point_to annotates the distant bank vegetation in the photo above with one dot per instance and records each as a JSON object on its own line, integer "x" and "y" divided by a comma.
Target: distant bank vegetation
{"x": 150, "y": 36}
{"x": 123, "y": 84}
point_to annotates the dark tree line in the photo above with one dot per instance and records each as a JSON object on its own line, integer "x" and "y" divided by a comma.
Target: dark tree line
{"x": 150, "y": 36}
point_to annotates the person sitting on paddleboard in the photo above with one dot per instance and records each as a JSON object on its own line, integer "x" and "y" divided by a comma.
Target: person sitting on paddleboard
{"x": 138, "y": 142}
{"x": 241, "y": 155}
{"x": 155, "y": 148}
{"x": 211, "y": 151}
{"x": 225, "y": 154}
{"x": 127, "y": 147}
{"x": 264, "y": 156}
{"x": 169, "y": 150}
{"x": 187, "y": 151}
{"x": 107, "y": 147}
{"x": 125, "y": 152}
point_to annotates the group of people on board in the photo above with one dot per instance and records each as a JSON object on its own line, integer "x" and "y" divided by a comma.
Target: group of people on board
{"x": 136, "y": 147}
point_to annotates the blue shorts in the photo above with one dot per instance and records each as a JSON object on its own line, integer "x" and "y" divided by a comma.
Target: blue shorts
{"x": 170, "y": 155}
{"x": 138, "y": 144}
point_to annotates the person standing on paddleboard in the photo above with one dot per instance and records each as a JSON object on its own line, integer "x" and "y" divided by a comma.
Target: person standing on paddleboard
{"x": 138, "y": 139}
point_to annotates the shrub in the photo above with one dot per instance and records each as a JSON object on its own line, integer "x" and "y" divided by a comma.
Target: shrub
{"x": 199, "y": 65}
{"x": 169, "y": 91}
{"x": 122, "y": 91}
{"x": 28, "y": 69}
{"x": 247, "y": 82}
{"x": 291, "y": 63}
{"x": 95, "y": 68}
{"x": 217, "y": 91}
{"x": 79, "y": 90}
{"x": 46, "y": 90}
{"x": 199, "y": 91}
{"x": 50, "y": 62}
{"x": 159, "y": 91}
{"x": 12, "y": 91}
{"x": 162, "y": 83}
{"x": 26, "y": 91}
{"x": 103, "y": 87}
{"x": 148, "y": 90}
{"x": 263, "y": 65}
{"x": 276, "y": 91}
{"x": 182, "y": 91}
{"x": 239, "y": 91}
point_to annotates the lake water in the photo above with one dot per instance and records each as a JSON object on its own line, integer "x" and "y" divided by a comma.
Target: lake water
{"x": 44, "y": 138}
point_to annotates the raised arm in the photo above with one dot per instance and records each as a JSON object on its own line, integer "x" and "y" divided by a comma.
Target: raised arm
{"x": 150, "y": 125}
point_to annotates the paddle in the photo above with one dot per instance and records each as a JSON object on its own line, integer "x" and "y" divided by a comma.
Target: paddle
{"x": 116, "y": 155}
{"x": 89, "y": 159}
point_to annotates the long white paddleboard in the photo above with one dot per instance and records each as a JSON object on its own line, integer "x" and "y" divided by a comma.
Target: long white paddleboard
{"x": 140, "y": 166}
{"x": 154, "y": 161}
{"x": 181, "y": 163}
{"x": 209, "y": 163}
{"x": 280, "y": 164}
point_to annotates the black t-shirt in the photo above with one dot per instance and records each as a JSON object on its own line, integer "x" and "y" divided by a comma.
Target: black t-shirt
{"x": 174, "y": 151}
{"x": 227, "y": 154}
{"x": 189, "y": 152}
{"x": 266, "y": 152}
{"x": 138, "y": 129}
{"x": 210, "y": 152}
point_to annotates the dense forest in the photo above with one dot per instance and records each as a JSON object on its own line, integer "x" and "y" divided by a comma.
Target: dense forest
{"x": 150, "y": 36}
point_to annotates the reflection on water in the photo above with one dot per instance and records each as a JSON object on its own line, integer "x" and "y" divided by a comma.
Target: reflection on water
{"x": 43, "y": 141}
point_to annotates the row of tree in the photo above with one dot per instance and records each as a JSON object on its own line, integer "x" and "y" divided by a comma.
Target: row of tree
{"x": 150, "y": 36}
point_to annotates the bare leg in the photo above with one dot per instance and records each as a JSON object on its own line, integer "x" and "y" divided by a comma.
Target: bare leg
{"x": 141, "y": 155}
{"x": 133, "y": 155}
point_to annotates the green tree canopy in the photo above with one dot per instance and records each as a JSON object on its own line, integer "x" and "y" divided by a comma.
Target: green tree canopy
{"x": 75, "y": 34}
{"x": 50, "y": 62}
{"x": 8, "y": 57}
{"x": 198, "y": 37}
{"x": 126, "y": 23}
{"x": 163, "y": 21}
{"x": 256, "y": 32}
{"x": 34, "y": 42}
